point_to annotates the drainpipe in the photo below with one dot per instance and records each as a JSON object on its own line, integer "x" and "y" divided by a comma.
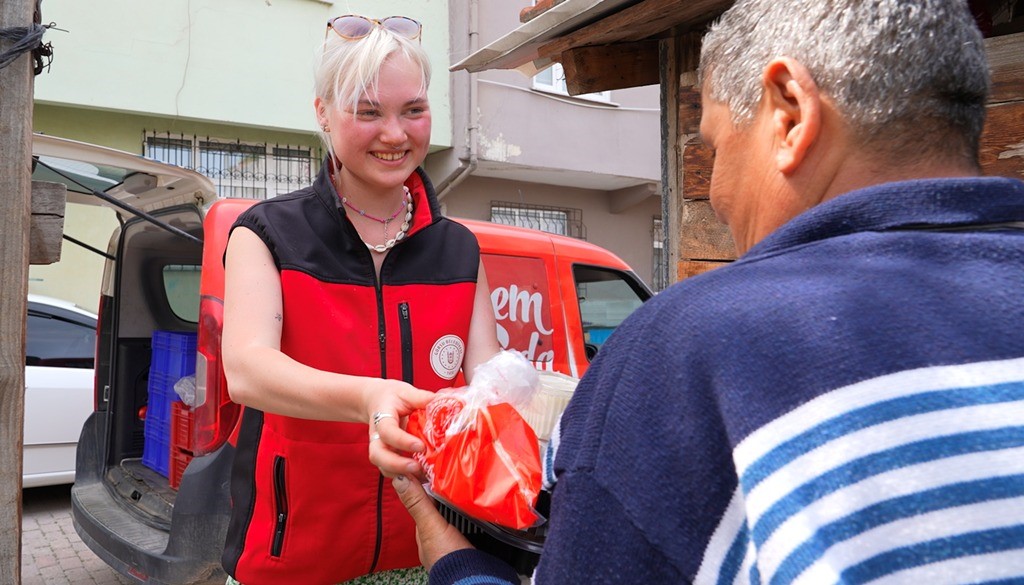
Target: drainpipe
{"x": 472, "y": 118}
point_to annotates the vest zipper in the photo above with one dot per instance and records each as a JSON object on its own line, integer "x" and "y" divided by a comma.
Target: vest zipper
{"x": 382, "y": 341}
{"x": 281, "y": 500}
{"x": 405, "y": 326}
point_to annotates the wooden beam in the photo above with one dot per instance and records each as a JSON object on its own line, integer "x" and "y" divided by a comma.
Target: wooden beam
{"x": 698, "y": 161}
{"x": 647, "y": 19}
{"x": 16, "y": 86}
{"x": 592, "y": 69}
{"x": 46, "y": 229}
{"x": 702, "y": 236}
{"x": 1002, "y": 142}
{"x": 688, "y": 268}
{"x": 1006, "y": 61}
{"x": 671, "y": 198}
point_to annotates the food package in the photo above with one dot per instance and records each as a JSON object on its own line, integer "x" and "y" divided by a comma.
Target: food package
{"x": 548, "y": 403}
{"x": 481, "y": 456}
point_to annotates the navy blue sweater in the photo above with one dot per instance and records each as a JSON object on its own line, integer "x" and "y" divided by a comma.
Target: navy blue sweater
{"x": 843, "y": 403}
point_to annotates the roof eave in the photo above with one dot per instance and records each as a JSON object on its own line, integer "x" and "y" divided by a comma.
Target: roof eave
{"x": 518, "y": 49}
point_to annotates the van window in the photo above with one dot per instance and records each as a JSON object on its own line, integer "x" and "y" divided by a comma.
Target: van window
{"x": 606, "y": 298}
{"x": 52, "y": 341}
{"x": 181, "y": 285}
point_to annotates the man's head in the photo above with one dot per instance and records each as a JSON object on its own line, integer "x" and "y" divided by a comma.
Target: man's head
{"x": 897, "y": 86}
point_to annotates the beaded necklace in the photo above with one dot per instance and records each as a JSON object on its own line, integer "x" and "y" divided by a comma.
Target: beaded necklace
{"x": 406, "y": 206}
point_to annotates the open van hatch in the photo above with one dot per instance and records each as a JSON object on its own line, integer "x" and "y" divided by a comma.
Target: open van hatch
{"x": 125, "y": 510}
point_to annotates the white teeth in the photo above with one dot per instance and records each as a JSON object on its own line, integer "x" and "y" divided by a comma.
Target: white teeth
{"x": 389, "y": 156}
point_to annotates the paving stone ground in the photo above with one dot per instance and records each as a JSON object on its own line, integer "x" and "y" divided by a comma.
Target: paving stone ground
{"x": 51, "y": 552}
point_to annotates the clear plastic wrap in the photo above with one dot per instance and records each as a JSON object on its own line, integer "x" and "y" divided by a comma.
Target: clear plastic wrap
{"x": 482, "y": 457}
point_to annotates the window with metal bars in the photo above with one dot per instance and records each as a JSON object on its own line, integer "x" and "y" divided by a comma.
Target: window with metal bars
{"x": 564, "y": 221}
{"x": 246, "y": 170}
{"x": 659, "y": 262}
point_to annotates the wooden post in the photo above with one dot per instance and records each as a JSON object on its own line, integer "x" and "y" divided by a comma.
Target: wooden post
{"x": 16, "y": 83}
{"x": 668, "y": 66}
{"x": 46, "y": 229}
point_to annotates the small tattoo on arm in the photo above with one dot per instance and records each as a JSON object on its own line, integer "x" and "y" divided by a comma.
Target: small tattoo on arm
{"x": 278, "y": 317}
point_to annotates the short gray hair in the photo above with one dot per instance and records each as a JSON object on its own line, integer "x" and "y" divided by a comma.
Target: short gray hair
{"x": 347, "y": 69}
{"x": 903, "y": 73}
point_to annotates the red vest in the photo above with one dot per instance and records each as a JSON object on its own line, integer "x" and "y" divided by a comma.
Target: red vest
{"x": 307, "y": 506}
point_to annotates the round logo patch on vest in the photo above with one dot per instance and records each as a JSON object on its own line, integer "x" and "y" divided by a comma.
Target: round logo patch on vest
{"x": 446, "y": 356}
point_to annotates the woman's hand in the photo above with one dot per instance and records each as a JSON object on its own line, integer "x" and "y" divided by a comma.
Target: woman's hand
{"x": 435, "y": 537}
{"x": 389, "y": 402}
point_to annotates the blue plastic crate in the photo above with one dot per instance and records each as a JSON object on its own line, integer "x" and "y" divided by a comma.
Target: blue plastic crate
{"x": 161, "y": 395}
{"x": 156, "y": 452}
{"x": 174, "y": 353}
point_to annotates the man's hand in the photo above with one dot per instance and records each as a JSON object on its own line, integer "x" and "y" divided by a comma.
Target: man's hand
{"x": 434, "y": 535}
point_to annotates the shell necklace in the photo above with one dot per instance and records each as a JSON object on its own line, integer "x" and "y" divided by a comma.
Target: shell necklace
{"x": 406, "y": 206}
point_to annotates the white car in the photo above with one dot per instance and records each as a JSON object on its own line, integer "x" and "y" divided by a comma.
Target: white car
{"x": 59, "y": 349}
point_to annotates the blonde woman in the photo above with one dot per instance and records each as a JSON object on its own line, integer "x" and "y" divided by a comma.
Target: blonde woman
{"x": 347, "y": 304}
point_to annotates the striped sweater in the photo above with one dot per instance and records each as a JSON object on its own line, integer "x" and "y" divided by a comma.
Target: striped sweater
{"x": 843, "y": 404}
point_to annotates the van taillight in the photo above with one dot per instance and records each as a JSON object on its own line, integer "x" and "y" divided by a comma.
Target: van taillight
{"x": 215, "y": 414}
{"x": 100, "y": 359}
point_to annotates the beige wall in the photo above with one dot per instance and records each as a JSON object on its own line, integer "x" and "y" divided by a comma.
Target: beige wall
{"x": 627, "y": 234}
{"x": 245, "y": 62}
{"x": 77, "y": 276}
{"x": 123, "y": 131}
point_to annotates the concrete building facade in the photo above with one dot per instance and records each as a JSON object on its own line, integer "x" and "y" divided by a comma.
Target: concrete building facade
{"x": 225, "y": 86}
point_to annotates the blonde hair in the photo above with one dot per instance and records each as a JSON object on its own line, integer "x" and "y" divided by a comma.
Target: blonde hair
{"x": 347, "y": 69}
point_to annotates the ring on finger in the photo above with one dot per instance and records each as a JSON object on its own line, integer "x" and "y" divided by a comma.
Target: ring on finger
{"x": 379, "y": 416}
{"x": 374, "y": 437}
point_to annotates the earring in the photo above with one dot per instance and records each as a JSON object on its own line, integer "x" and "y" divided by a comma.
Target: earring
{"x": 326, "y": 128}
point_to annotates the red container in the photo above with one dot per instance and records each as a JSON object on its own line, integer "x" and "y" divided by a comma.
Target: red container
{"x": 179, "y": 461}
{"x": 181, "y": 427}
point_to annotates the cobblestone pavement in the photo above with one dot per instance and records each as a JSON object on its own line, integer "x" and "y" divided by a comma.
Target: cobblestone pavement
{"x": 51, "y": 552}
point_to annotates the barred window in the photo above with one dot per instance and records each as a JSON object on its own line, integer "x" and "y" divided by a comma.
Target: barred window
{"x": 564, "y": 221}
{"x": 175, "y": 151}
{"x": 659, "y": 263}
{"x": 246, "y": 170}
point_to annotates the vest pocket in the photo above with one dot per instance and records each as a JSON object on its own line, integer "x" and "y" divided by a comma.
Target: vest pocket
{"x": 405, "y": 327}
{"x": 280, "y": 507}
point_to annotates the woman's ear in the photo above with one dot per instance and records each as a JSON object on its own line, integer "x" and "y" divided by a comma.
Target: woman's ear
{"x": 321, "y": 112}
{"x": 794, "y": 105}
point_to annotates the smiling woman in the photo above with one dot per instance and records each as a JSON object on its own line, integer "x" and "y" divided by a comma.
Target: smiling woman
{"x": 335, "y": 298}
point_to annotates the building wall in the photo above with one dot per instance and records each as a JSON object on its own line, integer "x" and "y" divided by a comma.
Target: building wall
{"x": 227, "y": 69}
{"x": 242, "y": 62}
{"x": 627, "y": 234}
{"x": 537, "y": 129}
{"x": 542, "y": 148}
{"x": 533, "y": 128}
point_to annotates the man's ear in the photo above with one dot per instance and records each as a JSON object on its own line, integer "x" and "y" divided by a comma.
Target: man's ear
{"x": 794, "y": 106}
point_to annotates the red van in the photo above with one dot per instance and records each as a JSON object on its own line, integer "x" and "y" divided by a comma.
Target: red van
{"x": 556, "y": 300}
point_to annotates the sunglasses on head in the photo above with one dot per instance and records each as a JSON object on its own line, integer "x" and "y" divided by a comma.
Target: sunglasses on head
{"x": 353, "y": 27}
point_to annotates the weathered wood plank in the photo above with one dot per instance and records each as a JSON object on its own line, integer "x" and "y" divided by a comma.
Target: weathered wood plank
{"x": 689, "y": 110}
{"x": 46, "y": 227}
{"x": 604, "y": 68}
{"x": 1002, "y": 142}
{"x": 688, "y": 268}
{"x": 1006, "y": 61}
{"x": 702, "y": 236}
{"x": 640, "y": 21}
{"x": 697, "y": 164}
{"x": 671, "y": 151}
